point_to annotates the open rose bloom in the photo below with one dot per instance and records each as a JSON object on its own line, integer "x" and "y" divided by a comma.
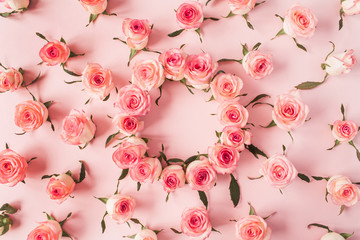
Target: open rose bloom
{"x": 132, "y": 100}
{"x": 147, "y": 170}
{"x": 299, "y": 21}
{"x": 189, "y": 15}
{"x": 199, "y": 69}
{"x": 97, "y": 81}
{"x": 332, "y": 236}
{"x": 257, "y": 64}
{"x": 351, "y": 7}
{"x": 120, "y": 207}
{"x": 223, "y": 158}
{"x": 48, "y": 230}
{"x": 129, "y": 152}
{"x": 343, "y": 191}
{"x": 16, "y": 5}
{"x": 146, "y": 234}
{"x": 137, "y": 32}
{"x": 147, "y": 74}
{"x": 94, "y": 6}
{"x": 30, "y": 115}
{"x": 195, "y": 222}
{"x": 200, "y": 175}
{"x": 241, "y": 6}
{"x": 10, "y": 80}
{"x": 252, "y": 227}
{"x": 232, "y": 113}
{"x": 344, "y": 131}
{"x": 54, "y": 53}
{"x": 12, "y": 167}
{"x": 236, "y": 137}
{"x": 59, "y": 188}
{"x": 128, "y": 125}
{"x": 174, "y": 63}
{"x": 340, "y": 63}
{"x": 172, "y": 177}
{"x": 226, "y": 87}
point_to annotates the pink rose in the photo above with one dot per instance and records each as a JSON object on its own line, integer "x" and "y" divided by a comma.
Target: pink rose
{"x": 94, "y": 6}
{"x": 232, "y": 113}
{"x": 189, "y": 15}
{"x": 223, "y": 159}
{"x": 241, "y": 6}
{"x": 195, "y": 222}
{"x": 120, "y": 207}
{"x": 48, "y": 230}
{"x": 59, "y": 188}
{"x": 12, "y": 167}
{"x": 147, "y": 74}
{"x": 30, "y": 115}
{"x": 147, "y": 170}
{"x": 137, "y": 32}
{"x": 97, "y": 80}
{"x": 146, "y": 234}
{"x": 233, "y": 136}
{"x": 226, "y": 87}
{"x": 174, "y": 63}
{"x": 128, "y": 125}
{"x": 200, "y": 175}
{"x": 351, "y": 7}
{"x": 172, "y": 177}
{"x": 10, "y": 80}
{"x": 16, "y": 5}
{"x": 344, "y": 131}
{"x": 299, "y": 21}
{"x": 252, "y": 227}
{"x": 343, "y": 191}
{"x": 77, "y": 128}
{"x": 129, "y": 153}
{"x": 132, "y": 100}
{"x": 278, "y": 171}
{"x": 257, "y": 65}
{"x": 289, "y": 111}
{"x": 340, "y": 63}
{"x": 54, "y": 53}
{"x": 199, "y": 69}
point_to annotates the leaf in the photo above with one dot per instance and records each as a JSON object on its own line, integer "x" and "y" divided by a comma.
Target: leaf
{"x": 337, "y": 142}
{"x": 207, "y": 2}
{"x": 7, "y": 14}
{"x": 257, "y": 4}
{"x": 87, "y": 101}
{"x": 341, "y": 21}
{"x": 245, "y": 49}
{"x": 175, "y": 231}
{"x": 271, "y": 124}
{"x": 176, "y": 33}
{"x": 342, "y": 208}
{"x": 131, "y": 236}
{"x": 304, "y": 177}
{"x": 70, "y": 72}
{"x": 72, "y": 54}
{"x": 255, "y": 151}
{"x": 234, "y": 190}
{"x": 49, "y": 217}
{"x": 346, "y": 235}
{"x": 138, "y": 186}
{"x": 33, "y": 97}
{"x": 281, "y": 32}
{"x": 158, "y": 231}
{"x": 175, "y": 160}
{"x": 217, "y": 73}
{"x": 245, "y": 16}
{"x": 82, "y": 173}
{"x": 308, "y": 85}
{"x": 8, "y": 208}
{"x": 106, "y": 98}
{"x": 48, "y": 103}
{"x": 257, "y": 98}
{"x": 108, "y": 140}
{"x": 111, "y": 14}
{"x": 256, "y": 46}
{"x": 83, "y": 147}
{"x": 277, "y": 15}
{"x": 319, "y": 225}
{"x": 299, "y": 45}
{"x": 272, "y": 214}
{"x": 20, "y": 133}
{"x": 148, "y": 50}
{"x": 292, "y": 139}
{"x": 157, "y": 100}
{"x": 33, "y": 81}
{"x": 65, "y": 234}
{"x": 6, "y": 146}
{"x": 214, "y": 230}
{"x": 3, "y": 66}
{"x": 124, "y": 42}
{"x": 92, "y": 18}
{"x": 103, "y": 225}
{"x": 103, "y": 200}
{"x": 199, "y": 33}
{"x": 167, "y": 197}
{"x": 252, "y": 210}
{"x": 182, "y": 45}
{"x": 63, "y": 221}
{"x": 231, "y": 14}
{"x": 230, "y": 60}
{"x": 62, "y": 40}
{"x": 203, "y": 198}
{"x": 191, "y": 159}
{"x": 5, "y": 228}
{"x": 124, "y": 173}
{"x": 343, "y": 111}
{"x": 72, "y": 82}
{"x": 255, "y": 178}
{"x": 41, "y": 36}
{"x": 333, "y": 49}
{"x": 132, "y": 54}
{"x": 284, "y": 149}
{"x": 212, "y": 18}
{"x": 357, "y": 151}
{"x": 49, "y": 176}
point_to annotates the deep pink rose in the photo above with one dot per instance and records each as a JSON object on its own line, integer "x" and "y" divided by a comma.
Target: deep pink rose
{"x": 172, "y": 177}
{"x": 195, "y": 222}
{"x": 236, "y": 137}
{"x": 200, "y": 175}
{"x": 54, "y": 53}
{"x": 189, "y": 15}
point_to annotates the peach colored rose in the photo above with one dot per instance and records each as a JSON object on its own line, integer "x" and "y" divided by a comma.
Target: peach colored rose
{"x": 233, "y": 136}
{"x": 147, "y": 74}
{"x": 132, "y": 100}
{"x": 10, "y": 80}
{"x": 146, "y": 234}
{"x": 54, "y": 53}
{"x": 94, "y": 6}
{"x": 97, "y": 80}
{"x": 30, "y": 115}
{"x": 77, "y": 128}
{"x": 223, "y": 159}
{"x": 344, "y": 131}
{"x": 226, "y": 87}
{"x": 278, "y": 171}
{"x": 257, "y": 64}
{"x": 199, "y": 69}
{"x": 343, "y": 191}
{"x": 128, "y": 125}
{"x": 195, "y": 222}
{"x": 16, "y": 5}
{"x": 137, "y": 32}
{"x": 147, "y": 170}
{"x": 120, "y": 207}
{"x": 200, "y": 175}
{"x": 189, "y": 15}
{"x": 299, "y": 21}
{"x": 12, "y": 167}
{"x": 252, "y": 227}
{"x": 48, "y": 230}
{"x": 232, "y": 113}
{"x": 129, "y": 153}
{"x": 351, "y": 7}
{"x": 172, "y": 177}
{"x": 174, "y": 63}
{"x": 241, "y": 6}
{"x": 340, "y": 63}
{"x": 289, "y": 111}
{"x": 59, "y": 188}
{"x": 332, "y": 236}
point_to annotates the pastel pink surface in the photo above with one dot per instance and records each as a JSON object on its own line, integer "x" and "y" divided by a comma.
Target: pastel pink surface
{"x": 182, "y": 122}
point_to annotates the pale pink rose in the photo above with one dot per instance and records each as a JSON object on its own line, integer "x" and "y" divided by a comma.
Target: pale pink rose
{"x": 128, "y": 125}
{"x": 174, "y": 63}
{"x": 233, "y": 136}
{"x": 223, "y": 159}
{"x": 132, "y": 100}
{"x": 97, "y": 80}
{"x": 147, "y": 170}
{"x": 120, "y": 207}
{"x": 54, "y": 53}
{"x": 59, "y": 188}
{"x": 30, "y": 115}
{"x": 343, "y": 191}
{"x": 332, "y": 236}
{"x": 195, "y": 222}
{"x": 278, "y": 171}
{"x": 129, "y": 153}
{"x": 172, "y": 177}
{"x": 232, "y": 113}
{"x": 289, "y": 111}
{"x": 226, "y": 87}
{"x": 16, "y": 5}
{"x": 241, "y": 6}
{"x": 94, "y": 6}
{"x": 12, "y": 167}
{"x": 340, "y": 63}
{"x": 252, "y": 227}
{"x": 147, "y": 74}
{"x": 200, "y": 175}
{"x": 344, "y": 131}
{"x": 10, "y": 80}
{"x": 48, "y": 230}
{"x": 351, "y": 7}
{"x": 199, "y": 69}
{"x": 137, "y": 32}
{"x": 257, "y": 64}
{"x": 77, "y": 128}
{"x": 146, "y": 234}
{"x": 299, "y": 21}
{"x": 189, "y": 15}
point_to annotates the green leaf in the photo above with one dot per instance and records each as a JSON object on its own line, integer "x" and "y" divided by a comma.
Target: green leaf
{"x": 277, "y": 15}
{"x": 65, "y": 234}
{"x": 231, "y": 14}
{"x": 103, "y": 200}
{"x": 292, "y": 139}
{"x": 87, "y": 101}
{"x": 256, "y": 46}
{"x": 167, "y": 197}
{"x": 176, "y": 33}
{"x": 341, "y": 21}
{"x": 41, "y": 36}
{"x": 148, "y": 50}
{"x": 211, "y": 98}
{"x": 157, "y": 100}
{"x": 319, "y": 225}
{"x": 257, "y": 4}
{"x": 72, "y": 82}
{"x": 20, "y": 133}
{"x": 257, "y": 98}
{"x": 49, "y": 217}
{"x": 103, "y": 225}
{"x": 5, "y": 229}
{"x": 49, "y": 176}
{"x": 203, "y": 198}
{"x": 32, "y": 82}
{"x": 272, "y": 214}
{"x": 346, "y": 235}
{"x": 255, "y": 178}
{"x": 308, "y": 85}
{"x": 70, "y": 72}
{"x": 48, "y": 103}
{"x": 106, "y": 98}
{"x": 3, "y": 66}
{"x": 158, "y": 231}
{"x": 299, "y": 45}
{"x": 175, "y": 231}
{"x": 271, "y": 124}
{"x": 214, "y": 230}
{"x": 245, "y": 49}
{"x": 92, "y": 18}
{"x": 183, "y": 81}
{"x": 342, "y": 208}
{"x": 191, "y": 159}
{"x": 284, "y": 149}
{"x": 230, "y": 60}
{"x": 138, "y": 186}
{"x": 343, "y": 112}
{"x": 207, "y": 2}
{"x": 136, "y": 221}
{"x": 124, "y": 42}
{"x": 357, "y": 150}
{"x": 132, "y": 54}
{"x": 245, "y": 16}
{"x": 182, "y": 45}
{"x": 72, "y": 54}
{"x": 255, "y": 151}
{"x": 69, "y": 173}
{"x": 82, "y": 172}
{"x": 6, "y": 146}
{"x": 108, "y": 140}
{"x": 109, "y": 14}
{"x": 252, "y": 210}
{"x": 7, "y": 14}
{"x": 317, "y": 178}
{"x": 131, "y": 236}
{"x": 63, "y": 221}
{"x": 8, "y": 208}
{"x": 234, "y": 191}
{"x": 281, "y": 32}
{"x": 175, "y": 160}
{"x": 304, "y": 177}
{"x": 217, "y": 73}
{"x": 62, "y": 40}
{"x": 337, "y": 142}
{"x": 33, "y": 97}
{"x": 199, "y": 33}
{"x": 212, "y": 18}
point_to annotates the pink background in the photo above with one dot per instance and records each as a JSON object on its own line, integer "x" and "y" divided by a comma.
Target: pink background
{"x": 182, "y": 122}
